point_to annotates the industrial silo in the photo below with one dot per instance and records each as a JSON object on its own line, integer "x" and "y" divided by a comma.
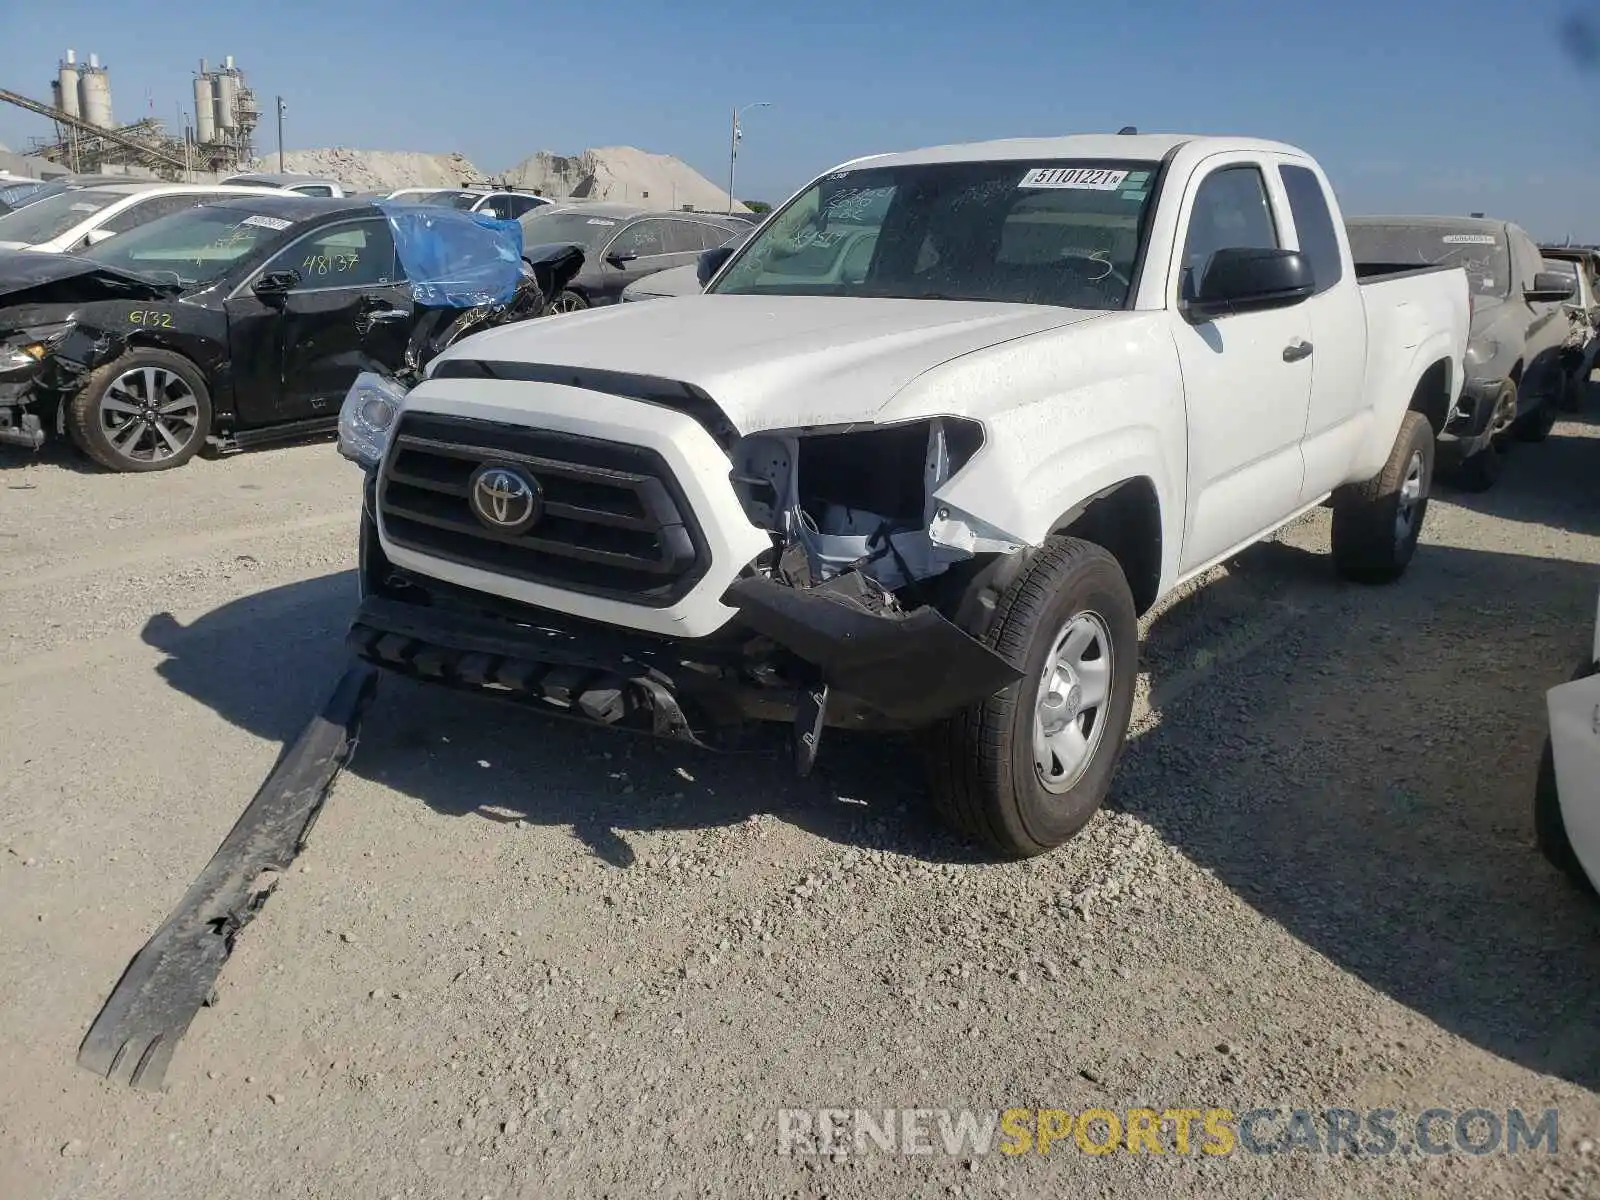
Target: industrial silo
{"x": 205, "y": 119}
{"x": 94, "y": 94}
{"x": 227, "y": 94}
{"x": 67, "y": 84}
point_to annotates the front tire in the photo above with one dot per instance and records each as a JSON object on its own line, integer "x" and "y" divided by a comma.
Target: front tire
{"x": 567, "y": 301}
{"x": 1535, "y": 426}
{"x": 149, "y": 410}
{"x": 1376, "y": 524}
{"x": 1026, "y": 768}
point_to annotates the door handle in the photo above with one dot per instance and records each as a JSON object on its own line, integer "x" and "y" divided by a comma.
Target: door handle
{"x": 1296, "y": 350}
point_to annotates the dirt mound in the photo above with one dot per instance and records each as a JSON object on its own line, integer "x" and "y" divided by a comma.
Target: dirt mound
{"x": 620, "y": 173}
{"x": 377, "y": 170}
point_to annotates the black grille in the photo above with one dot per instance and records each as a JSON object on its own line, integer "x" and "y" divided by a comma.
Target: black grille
{"x": 614, "y": 522}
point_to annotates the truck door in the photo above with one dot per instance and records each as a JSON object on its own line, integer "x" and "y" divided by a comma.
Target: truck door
{"x": 1334, "y": 424}
{"x": 350, "y": 312}
{"x": 1246, "y": 376}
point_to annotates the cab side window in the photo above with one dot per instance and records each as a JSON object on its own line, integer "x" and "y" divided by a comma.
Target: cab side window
{"x": 1231, "y": 212}
{"x": 357, "y": 254}
{"x": 1314, "y": 223}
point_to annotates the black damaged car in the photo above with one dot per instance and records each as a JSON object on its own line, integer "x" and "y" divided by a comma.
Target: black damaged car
{"x": 230, "y": 325}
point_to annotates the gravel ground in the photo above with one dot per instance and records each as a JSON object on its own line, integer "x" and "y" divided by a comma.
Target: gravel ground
{"x": 522, "y": 959}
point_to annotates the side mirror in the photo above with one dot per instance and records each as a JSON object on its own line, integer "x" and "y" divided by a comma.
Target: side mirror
{"x": 1549, "y": 287}
{"x": 95, "y": 236}
{"x": 710, "y": 262}
{"x": 275, "y": 285}
{"x": 621, "y": 258}
{"x": 1238, "y": 280}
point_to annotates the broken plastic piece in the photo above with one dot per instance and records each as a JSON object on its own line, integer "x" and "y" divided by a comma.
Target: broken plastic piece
{"x": 175, "y": 974}
{"x": 810, "y": 718}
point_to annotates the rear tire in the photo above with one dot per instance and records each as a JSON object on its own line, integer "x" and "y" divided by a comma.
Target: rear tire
{"x": 1376, "y": 524}
{"x": 1027, "y": 768}
{"x": 149, "y": 410}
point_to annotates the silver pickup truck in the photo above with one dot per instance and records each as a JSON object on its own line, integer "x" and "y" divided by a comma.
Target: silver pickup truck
{"x": 1516, "y": 369}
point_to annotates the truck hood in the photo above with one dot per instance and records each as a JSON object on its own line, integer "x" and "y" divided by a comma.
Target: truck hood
{"x": 772, "y": 362}
{"x": 29, "y": 277}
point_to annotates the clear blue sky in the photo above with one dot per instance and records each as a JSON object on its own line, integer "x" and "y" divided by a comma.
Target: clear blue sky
{"x": 1421, "y": 105}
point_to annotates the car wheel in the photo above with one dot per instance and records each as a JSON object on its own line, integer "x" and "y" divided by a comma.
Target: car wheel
{"x": 1574, "y": 391}
{"x": 150, "y": 410}
{"x": 1376, "y": 524}
{"x": 1026, "y": 768}
{"x": 1549, "y": 829}
{"x": 1481, "y": 471}
{"x": 1535, "y": 426}
{"x": 567, "y": 301}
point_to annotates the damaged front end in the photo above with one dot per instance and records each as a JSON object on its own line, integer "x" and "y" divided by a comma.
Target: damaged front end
{"x": 845, "y": 621}
{"x": 29, "y": 381}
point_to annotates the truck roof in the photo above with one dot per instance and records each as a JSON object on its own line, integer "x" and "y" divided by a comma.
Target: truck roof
{"x": 1146, "y": 146}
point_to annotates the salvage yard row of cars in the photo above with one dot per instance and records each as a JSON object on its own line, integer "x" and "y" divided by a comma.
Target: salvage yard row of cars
{"x": 915, "y": 453}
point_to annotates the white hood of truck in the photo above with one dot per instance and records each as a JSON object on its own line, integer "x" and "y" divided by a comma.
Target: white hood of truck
{"x": 772, "y": 362}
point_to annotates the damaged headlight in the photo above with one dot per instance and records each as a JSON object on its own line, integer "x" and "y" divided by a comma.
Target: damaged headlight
{"x": 1482, "y": 352}
{"x": 22, "y": 351}
{"x": 368, "y": 414}
{"x": 859, "y": 498}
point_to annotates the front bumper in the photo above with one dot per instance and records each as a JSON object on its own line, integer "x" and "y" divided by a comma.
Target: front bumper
{"x": 883, "y": 669}
{"x": 1483, "y": 410}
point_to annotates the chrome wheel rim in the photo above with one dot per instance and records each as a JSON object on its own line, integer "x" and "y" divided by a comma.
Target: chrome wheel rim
{"x": 566, "y": 302}
{"x": 1074, "y": 693}
{"x": 149, "y": 414}
{"x": 1412, "y": 495}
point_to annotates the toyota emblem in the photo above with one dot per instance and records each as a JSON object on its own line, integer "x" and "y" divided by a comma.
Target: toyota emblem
{"x": 504, "y": 498}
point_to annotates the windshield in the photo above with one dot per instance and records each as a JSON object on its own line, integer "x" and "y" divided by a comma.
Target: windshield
{"x": 541, "y": 228}
{"x": 447, "y": 198}
{"x": 1057, "y": 232}
{"x": 1481, "y": 250}
{"x": 193, "y": 247}
{"x": 54, "y": 215}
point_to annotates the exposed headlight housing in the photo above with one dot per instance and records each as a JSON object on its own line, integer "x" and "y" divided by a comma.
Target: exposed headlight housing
{"x": 21, "y": 352}
{"x": 369, "y": 412}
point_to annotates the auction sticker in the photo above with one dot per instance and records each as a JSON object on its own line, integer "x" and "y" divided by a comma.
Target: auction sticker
{"x": 1088, "y": 179}
{"x": 1469, "y": 239}
{"x": 277, "y": 223}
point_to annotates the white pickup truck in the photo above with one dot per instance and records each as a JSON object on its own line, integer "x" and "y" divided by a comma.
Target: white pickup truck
{"x": 919, "y": 456}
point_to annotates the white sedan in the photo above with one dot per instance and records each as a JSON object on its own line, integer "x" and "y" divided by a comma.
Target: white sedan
{"x": 77, "y": 219}
{"x": 1567, "y": 798}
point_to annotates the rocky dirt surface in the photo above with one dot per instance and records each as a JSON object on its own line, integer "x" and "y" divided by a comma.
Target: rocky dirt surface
{"x": 521, "y": 959}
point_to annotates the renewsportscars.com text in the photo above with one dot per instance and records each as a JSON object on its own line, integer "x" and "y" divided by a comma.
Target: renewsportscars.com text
{"x": 1377, "y": 1132}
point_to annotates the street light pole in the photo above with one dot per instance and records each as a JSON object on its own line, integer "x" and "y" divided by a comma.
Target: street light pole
{"x": 733, "y": 145}
{"x": 280, "y": 135}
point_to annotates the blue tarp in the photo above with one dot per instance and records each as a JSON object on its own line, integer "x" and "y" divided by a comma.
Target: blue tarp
{"x": 456, "y": 259}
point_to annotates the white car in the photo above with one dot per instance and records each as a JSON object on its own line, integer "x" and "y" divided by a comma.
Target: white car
{"x": 73, "y": 220}
{"x": 927, "y": 480}
{"x": 507, "y": 205}
{"x": 289, "y": 181}
{"x": 1567, "y": 798}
